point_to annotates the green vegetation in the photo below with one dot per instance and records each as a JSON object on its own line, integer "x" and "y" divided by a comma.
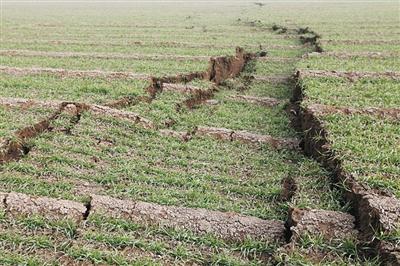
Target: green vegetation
{"x": 49, "y": 87}
{"x": 94, "y": 154}
{"x": 12, "y": 119}
{"x": 366, "y": 92}
{"x": 368, "y": 147}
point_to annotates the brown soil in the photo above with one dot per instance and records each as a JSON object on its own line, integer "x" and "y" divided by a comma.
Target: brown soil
{"x": 352, "y": 76}
{"x": 374, "y": 211}
{"x": 320, "y": 109}
{"x": 361, "y": 41}
{"x": 13, "y": 149}
{"x": 222, "y": 68}
{"x": 182, "y": 135}
{"x": 181, "y": 88}
{"x": 127, "y": 101}
{"x": 29, "y": 53}
{"x": 104, "y": 110}
{"x": 330, "y": 224}
{"x": 289, "y": 188}
{"x": 197, "y": 97}
{"x": 17, "y": 71}
{"x": 346, "y": 55}
{"x": 152, "y": 44}
{"x": 66, "y": 106}
{"x": 277, "y": 59}
{"x": 228, "y": 226}
{"x": 247, "y": 137}
{"x": 157, "y": 83}
{"x": 17, "y": 204}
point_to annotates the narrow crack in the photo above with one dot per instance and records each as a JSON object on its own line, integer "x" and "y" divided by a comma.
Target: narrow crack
{"x": 88, "y": 207}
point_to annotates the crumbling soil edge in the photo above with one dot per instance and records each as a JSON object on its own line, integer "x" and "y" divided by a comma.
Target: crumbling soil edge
{"x": 229, "y": 226}
{"x": 374, "y": 211}
{"x": 16, "y": 147}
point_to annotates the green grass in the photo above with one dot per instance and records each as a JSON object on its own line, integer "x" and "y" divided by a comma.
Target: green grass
{"x": 48, "y": 87}
{"x": 361, "y": 47}
{"x": 316, "y": 250}
{"x": 104, "y": 240}
{"x": 353, "y": 64}
{"x": 14, "y": 119}
{"x": 118, "y": 159}
{"x": 364, "y": 92}
{"x": 162, "y": 67}
{"x": 368, "y": 148}
{"x": 114, "y": 157}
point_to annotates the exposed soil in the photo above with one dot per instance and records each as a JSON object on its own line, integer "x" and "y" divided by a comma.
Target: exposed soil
{"x": 197, "y": 97}
{"x": 228, "y": 226}
{"x": 31, "y": 53}
{"x": 374, "y": 211}
{"x": 289, "y": 188}
{"x": 330, "y": 224}
{"x": 152, "y": 44}
{"x": 351, "y": 75}
{"x": 182, "y": 135}
{"x": 247, "y": 137}
{"x": 15, "y": 148}
{"x": 277, "y": 59}
{"x": 181, "y": 88}
{"x": 94, "y": 108}
{"x": 320, "y": 109}
{"x": 128, "y": 101}
{"x": 17, "y": 204}
{"x": 17, "y": 71}
{"x": 360, "y": 42}
{"x": 347, "y": 55}
{"x": 104, "y": 110}
{"x": 222, "y": 68}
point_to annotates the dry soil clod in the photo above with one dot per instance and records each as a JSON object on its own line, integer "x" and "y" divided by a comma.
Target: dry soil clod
{"x": 181, "y": 88}
{"x": 347, "y": 55}
{"x": 320, "y": 109}
{"x": 17, "y": 204}
{"x": 332, "y": 225}
{"x": 347, "y": 74}
{"x": 247, "y": 137}
{"x": 228, "y": 226}
{"x": 361, "y": 42}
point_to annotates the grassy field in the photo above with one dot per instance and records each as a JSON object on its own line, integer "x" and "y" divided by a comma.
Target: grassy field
{"x": 119, "y": 132}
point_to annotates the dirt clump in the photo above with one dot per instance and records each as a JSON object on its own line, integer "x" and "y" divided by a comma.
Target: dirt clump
{"x": 228, "y": 226}
{"x": 17, "y": 204}
{"x": 329, "y": 224}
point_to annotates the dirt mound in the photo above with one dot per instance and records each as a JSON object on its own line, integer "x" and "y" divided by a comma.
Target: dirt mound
{"x": 228, "y": 226}
{"x": 320, "y": 109}
{"x": 330, "y": 224}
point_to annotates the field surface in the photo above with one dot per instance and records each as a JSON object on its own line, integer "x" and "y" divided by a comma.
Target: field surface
{"x": 200, "y": 133}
